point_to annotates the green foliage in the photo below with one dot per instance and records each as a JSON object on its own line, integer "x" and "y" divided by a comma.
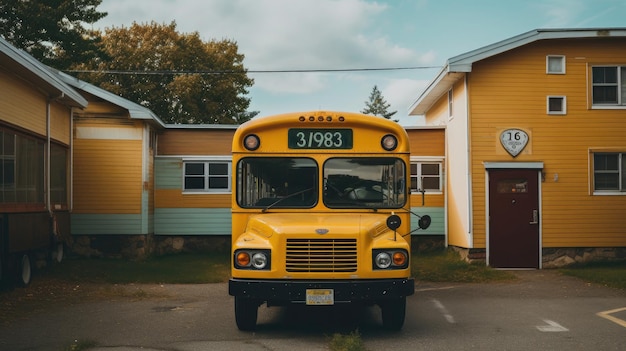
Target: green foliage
{"x": 177, "y": 76}
{"x": 377, "y": 106}
{"x": 171, "y": 269}
{"x": 52, "y": 30}
{"x": 611, "y": 274}
{"x": 447, "y": 266}
{"x": 350, "y": 342}
{"x": 80, "y": 345}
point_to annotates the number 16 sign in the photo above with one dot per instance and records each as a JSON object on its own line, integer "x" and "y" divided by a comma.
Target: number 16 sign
{"x": 514, "y": 141}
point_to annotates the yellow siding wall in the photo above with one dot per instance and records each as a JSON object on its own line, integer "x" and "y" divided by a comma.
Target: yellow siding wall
{"x": 183, "y": 142}
{"x": 509, "y": 91}
{"x": 428, "y": 142}
{"x": 22, "y": 105}
{"x": 60, "y": 123}
{"x": 165, "y": 198}
{"x": 107, "y": 173}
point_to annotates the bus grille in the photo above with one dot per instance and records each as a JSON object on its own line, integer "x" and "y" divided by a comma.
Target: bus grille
{"x": 321, "y": 255}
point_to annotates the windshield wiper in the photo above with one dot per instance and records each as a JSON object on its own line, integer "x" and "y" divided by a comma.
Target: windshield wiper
{"x": 285, "y": 198}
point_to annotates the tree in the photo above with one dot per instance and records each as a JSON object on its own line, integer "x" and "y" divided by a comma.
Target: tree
{"x": 377, "y": 106}
{"x": 177, "y": 76}
{"x": 52, "y": 30}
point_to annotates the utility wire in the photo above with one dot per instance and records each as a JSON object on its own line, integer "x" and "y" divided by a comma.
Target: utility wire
{"x": 174, "y": 72}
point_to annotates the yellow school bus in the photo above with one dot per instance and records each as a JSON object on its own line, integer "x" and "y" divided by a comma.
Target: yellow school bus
{"x": 320, "y": 214}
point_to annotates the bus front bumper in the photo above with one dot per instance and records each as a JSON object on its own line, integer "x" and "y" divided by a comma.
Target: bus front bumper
{"x": 344, "y": 291}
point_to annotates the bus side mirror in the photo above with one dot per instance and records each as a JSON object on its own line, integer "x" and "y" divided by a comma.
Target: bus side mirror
{"x": 393, "y": 222}
{"x": 424, "y": 222}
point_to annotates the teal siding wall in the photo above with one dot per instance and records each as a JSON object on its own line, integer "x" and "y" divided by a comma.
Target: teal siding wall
{"x": 168, "y": 172}
{"x": 93, "y": 224}
{"x": 437, "y": 226}
{"x": 192, "y": 221}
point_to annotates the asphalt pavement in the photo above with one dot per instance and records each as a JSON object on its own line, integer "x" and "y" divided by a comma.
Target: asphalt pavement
{"x": 542, "y": 309}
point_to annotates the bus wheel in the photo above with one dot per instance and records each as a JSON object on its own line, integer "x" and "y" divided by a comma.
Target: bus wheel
{"x": 57, "y": 253}
{"x": 246, "y": 311}
{"x": 24, "y": 271}
{"x": 393, "y": 312}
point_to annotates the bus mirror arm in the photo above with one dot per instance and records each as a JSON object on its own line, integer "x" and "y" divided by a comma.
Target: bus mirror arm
{"x": 423, "y": 222}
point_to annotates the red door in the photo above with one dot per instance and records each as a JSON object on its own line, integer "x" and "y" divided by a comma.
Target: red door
{"x": 514, "y": 218}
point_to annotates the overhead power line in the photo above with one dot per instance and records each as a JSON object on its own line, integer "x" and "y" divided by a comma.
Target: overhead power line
{"x": 176, "y": 72}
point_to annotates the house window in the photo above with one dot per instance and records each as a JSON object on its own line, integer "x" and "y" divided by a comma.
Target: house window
{"x": 609, "y": 85}
{"x": 426, "y": 176}
{"x": 555, "y": 64}
{"x": 609, "y": 172}
{"x": 556, "y": 105}
{"x": 207, "y": 176}
{"x": 21, "y": 169}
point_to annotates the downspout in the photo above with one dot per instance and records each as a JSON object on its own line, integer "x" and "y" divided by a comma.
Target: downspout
{"x": 48, "y": 150}
{"x": 71, "y": 162}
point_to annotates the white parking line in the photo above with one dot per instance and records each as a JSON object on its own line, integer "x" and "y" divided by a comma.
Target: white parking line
{"x": 607, "y": 315}
{"x": 551, "y": 327}
{"x": 444, "y": 311}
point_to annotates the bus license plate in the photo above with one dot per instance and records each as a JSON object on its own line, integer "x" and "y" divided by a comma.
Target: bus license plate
{"x": 320, "y": 297}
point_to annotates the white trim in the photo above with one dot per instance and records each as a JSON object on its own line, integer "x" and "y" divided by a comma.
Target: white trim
{"x": 513, "y": 165}
{"x": 427, "y": 158}
{"x": 203, "y": 158}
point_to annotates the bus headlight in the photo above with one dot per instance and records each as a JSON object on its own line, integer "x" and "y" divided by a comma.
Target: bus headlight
{"x": 259, "y": 260}
{"x": 389, "y": 142}
{"x": 383, "y": 260}
{"x": 390, "y": 259}
{"x": 251, "y": 142}
{"x": 252, "y": 259}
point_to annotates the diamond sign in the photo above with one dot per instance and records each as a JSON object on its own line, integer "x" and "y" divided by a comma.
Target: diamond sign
{"x": 514, "y": 141}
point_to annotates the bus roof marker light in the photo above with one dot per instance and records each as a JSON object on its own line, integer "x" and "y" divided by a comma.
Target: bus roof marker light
{"x": 302, "y": 119}
{"x": 329, "y": 118}
{"x": 311, "y": 118}
{"x": 342, "y": 118}
{"x": 389, "y": 142}
{"x": 251, "y": 142}
{"x": 320, "y": 118}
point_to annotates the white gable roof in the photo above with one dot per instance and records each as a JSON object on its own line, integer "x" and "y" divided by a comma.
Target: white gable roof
{"x": 135, "y": 110}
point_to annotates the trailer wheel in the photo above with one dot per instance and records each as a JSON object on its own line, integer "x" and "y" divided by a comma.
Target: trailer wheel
{"x": 24, "y": 271}
{"x": 393, "y": 312}
{"x": 246, "y": 312}
{"x": 57, "y": 254}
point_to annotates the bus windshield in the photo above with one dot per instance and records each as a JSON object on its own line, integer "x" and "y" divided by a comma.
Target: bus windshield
{"x": 377, "y": 182}
{"x": 277, "y": 182}
{"x": 349, "y": 182}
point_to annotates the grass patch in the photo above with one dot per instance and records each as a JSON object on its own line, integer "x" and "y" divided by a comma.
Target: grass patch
{"x": 170, "y": 269}
{"x": 447, "y": 266}
{"x": 80, "y": 345}
{"x": 350, "y": 342}
{"x": 610, "y": 274}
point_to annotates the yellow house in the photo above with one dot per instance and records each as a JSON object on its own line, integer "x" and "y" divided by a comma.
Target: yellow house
{"x": 36, "y": 110}
{"x": 114, "y": 143}
{"x": 536, "y": 146}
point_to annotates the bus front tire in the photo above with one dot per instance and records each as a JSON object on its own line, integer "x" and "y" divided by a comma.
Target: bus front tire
{"x": 24, "y": 270}
{"x": 393, "y": 313}
{"x": 246, "y": 312}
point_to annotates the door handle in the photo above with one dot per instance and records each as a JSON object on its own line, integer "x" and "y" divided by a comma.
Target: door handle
{"x": 535, "y": 217}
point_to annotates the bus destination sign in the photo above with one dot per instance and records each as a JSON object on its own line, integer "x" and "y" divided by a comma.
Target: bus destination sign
{"x": 319, "y": 138}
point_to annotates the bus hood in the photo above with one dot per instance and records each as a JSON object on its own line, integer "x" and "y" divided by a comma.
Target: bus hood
{"x": 307, "y": 224}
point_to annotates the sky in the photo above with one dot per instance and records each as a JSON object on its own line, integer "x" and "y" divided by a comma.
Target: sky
{"x": 353, "y": 45}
